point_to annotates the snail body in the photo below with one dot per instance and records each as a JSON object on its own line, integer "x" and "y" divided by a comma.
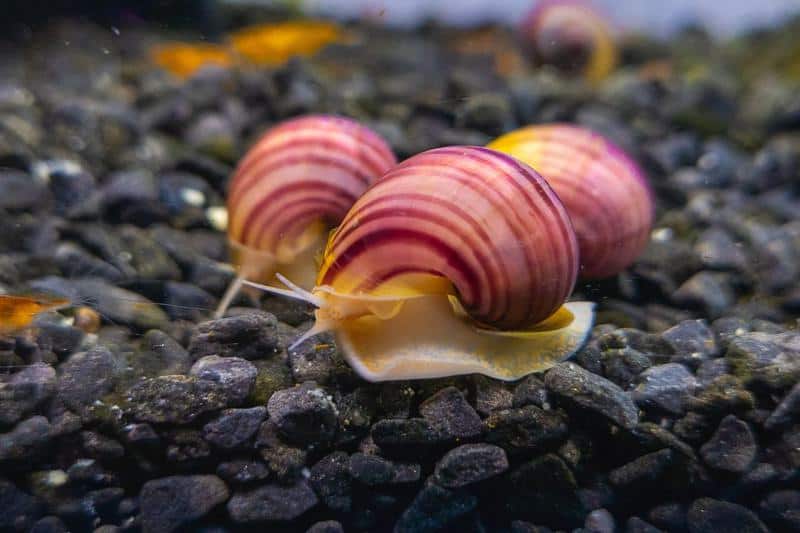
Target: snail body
{"x": 571, "y": 36}
{"x": 458, "y": 260}
{"x": 295, "y": 183}
{"x": 604, "y": 191}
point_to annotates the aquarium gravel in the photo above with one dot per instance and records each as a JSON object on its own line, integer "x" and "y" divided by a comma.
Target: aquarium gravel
{"x": 682, "y": 413}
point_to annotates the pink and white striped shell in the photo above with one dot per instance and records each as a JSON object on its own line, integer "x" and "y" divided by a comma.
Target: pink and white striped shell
{"x": 604, "y": 191}
{"x": 458, "y": 260}
{"x": 297, "y": 181}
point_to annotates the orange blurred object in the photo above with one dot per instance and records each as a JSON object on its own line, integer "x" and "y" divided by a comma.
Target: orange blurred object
{"x": 17, "y": 312}
{"x": 184, "y": 59}
{"x": 274, "y": 44}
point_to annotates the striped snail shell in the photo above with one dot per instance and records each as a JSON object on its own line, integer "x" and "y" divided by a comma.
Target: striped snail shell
{"x": 603, "y": 189}
{"x": 296, "y": 182}
{"x": 456, "y": 261}
{"x": 571, "y": 36}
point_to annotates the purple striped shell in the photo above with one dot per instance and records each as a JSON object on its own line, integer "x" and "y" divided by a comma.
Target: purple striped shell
{"x": 300, "y": 176}
{"x": 605, "y": 193}
{"x": 462, "y": 220}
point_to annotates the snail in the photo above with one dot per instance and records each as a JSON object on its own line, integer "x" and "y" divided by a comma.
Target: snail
{"x": 604, "y": 191}
{"x": 456, "y": 261}
{"x": 299, "y": 179}
{"x": 571, "y": 36}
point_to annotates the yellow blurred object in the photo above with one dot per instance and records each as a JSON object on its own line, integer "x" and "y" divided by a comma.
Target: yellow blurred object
{"x": 184, "y": 59}
{"x": 274, "y": 44}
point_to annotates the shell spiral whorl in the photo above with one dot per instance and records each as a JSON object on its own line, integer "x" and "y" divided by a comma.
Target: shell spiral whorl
{"x": 603, "y": 189}
{"x": 482, "y": 220}
{"x": 301, "y": 171}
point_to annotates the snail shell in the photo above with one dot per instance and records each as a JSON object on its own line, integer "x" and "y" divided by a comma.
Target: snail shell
{"x": 571, "y": 36}
{"x": 295, "y": 183}
{"x": 604, "y": 191}
{"x": 456, "y": 261}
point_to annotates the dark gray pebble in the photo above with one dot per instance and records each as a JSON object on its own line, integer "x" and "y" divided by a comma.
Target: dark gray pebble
{"x": 451, "y": 415}
{"x": 175, "y": 399}
{"x": 234, "y": 427}
{"x": 732, "y": 448}
{"x": 88, "y": 376}
{"x": 24, "y": 391}
{"x": 599, "y": 521}
{"x": 373, "y": 470}
{"x": 707, "y": 515}
{"x": 250, "y": 336}
{"x": 786, "y": 411}
{"x": 271, "y": 502}
{"x": 530, "y": 391}
{"x": 637, "y": 525}
{"x": 433, "y": 509}
{"x": 26, "y": 440}
{"x": 242, "y": 472}
{"x": 643, "y": 473}
{"x": 20, "y": 509}
{"x": 235, "y": 377}
{"x": 173, "y": 357}
{"x": 781, "y": 509}
{"x": 328, "y": 526}
{"x": 525, "y": 428}
{"x": 49, "y": 524}
{"x": 304, "y": 414}
{"x": 330, "y": 478}
{"x": 592, "y": 393}
{"x": 172, "y": 502}
{"x": 101, "y": 447}
{"x": 665, "y": 388}
{"x": 470, "y": 463}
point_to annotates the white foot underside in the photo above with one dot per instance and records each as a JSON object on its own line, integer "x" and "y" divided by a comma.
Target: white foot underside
{"x": 427, "y": 340}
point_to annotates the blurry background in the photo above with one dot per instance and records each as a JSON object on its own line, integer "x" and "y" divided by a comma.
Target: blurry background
{"x": 719, "y": 16}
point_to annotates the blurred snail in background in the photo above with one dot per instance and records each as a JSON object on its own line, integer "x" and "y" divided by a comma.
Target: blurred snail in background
{"x": 457, "y": 261}
{"x": 293, "y": 185}
{"x": 605, "y": 193}
{"x": 572, "y": 37}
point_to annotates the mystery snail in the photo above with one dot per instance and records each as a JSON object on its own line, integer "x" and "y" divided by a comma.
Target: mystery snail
{"x": 604, "y": 191}
{"x": 458, "y": 260}
{"x": 572, "y": 37}
{"x": 295, "y": 183}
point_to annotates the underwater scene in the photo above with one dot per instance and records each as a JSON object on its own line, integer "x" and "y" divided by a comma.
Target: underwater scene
{"x": 515, "y": 266}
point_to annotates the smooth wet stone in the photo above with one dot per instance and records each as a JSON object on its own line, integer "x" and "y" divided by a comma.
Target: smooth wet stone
{"x": 21, "y": 192}
{"x": 328, "y": 526}
{"x": 692, "y": 340}
{"x": 271, "y": 503}
{"x": 233, "y": 428}
{"x": 304, "y": 414}
{"x": 118, "y": 305}
{"x": 235, "y": 377}
{"x": 665, "y": 388}
{"x": 469, "y": 464}
{"x": 331, "y": 480}
{"x": 599, "y": 521}
{"x": 249, "y": 336}
{"x": 172, "y": 502}
{"x": 451, "y": 415}
{"x": 707, "y": 515}
{"x": 592, "y": 393}
{"x": 24, "y": 391}
{"x": 75, "y": 262}
{"x": 732, "y": 448}
{"x": 175, "y": 399}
